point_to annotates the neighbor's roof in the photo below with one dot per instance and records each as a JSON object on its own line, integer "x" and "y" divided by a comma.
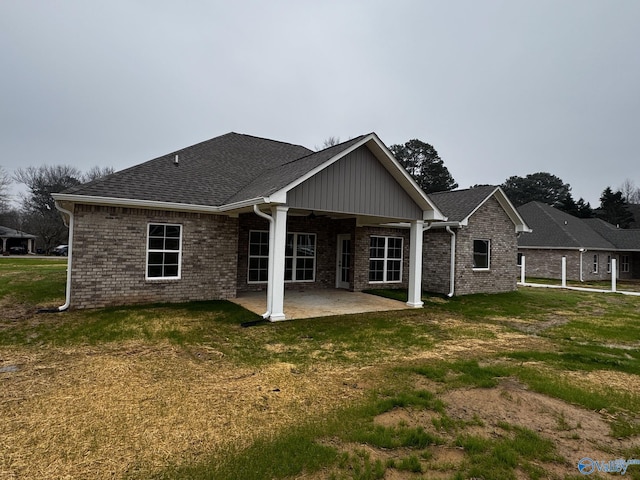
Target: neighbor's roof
{"x": 622, "y": 239}
{"x": 459, "y": 205}
{"x": 553, "y": 228}
{"x": 6, "y": 232}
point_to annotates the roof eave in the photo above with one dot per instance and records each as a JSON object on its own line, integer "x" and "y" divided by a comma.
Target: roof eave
{"x": 159, "y": 205}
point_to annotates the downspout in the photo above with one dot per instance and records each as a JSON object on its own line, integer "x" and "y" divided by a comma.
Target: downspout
{"x": 260, "y": 213}
{"x": 452, "y": 270}
{"x": 67, "y": 302}
{"x": 582, "y": 250}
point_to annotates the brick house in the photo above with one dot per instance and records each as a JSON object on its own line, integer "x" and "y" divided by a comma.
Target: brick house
{"x": 589, "y": 245}
{"x": 474, "y": 251}
{"x": 239, "y": 213}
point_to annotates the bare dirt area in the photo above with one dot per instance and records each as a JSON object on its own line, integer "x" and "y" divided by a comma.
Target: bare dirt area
{"x": 576, "y": 432}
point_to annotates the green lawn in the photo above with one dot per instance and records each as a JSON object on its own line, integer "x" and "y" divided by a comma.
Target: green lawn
{"x": 348, "y": 397}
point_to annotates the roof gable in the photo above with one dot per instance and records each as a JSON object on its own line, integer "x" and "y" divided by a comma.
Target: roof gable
{"x": 359, "y": 184}
{"x": 460, "y": 205}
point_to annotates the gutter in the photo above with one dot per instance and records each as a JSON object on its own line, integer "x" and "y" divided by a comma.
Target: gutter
{"x": 260, "y": 213}
{"x": 67, "y": 302}
{"x": 452, "y": 270}
{"x": 582, "y": 250}
{"x": 153, "y": 204}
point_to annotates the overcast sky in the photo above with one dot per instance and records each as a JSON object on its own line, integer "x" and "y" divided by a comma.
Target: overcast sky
{"x": 499, "y": 88}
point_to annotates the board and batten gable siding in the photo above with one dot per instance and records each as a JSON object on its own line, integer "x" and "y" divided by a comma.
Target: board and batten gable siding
{"x": 355, "y": 184}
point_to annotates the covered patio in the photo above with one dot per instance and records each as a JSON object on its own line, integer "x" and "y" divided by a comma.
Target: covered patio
{"x": 320, "y": 303}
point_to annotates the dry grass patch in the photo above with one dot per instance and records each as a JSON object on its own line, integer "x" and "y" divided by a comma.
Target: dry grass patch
{"x": 100, "y": 413}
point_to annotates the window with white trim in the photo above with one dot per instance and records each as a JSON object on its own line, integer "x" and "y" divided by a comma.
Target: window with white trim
{"x": 595, "y": 263}
{"x": 385, "y": 259}
{"x": 625, "y": 264}
{"x": 519, "y": 260}
{"x": 258, "y": 257}
{"x": 164, "y": 251}
{"x": 608, "y": 263}
{"x": 481, "y": 254}
{"x": 300, "y": 257}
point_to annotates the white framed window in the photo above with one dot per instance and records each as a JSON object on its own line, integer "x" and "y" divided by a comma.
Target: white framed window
{"x": 481, "y": 254}
{"x": 385, "y": 259}
{"x": 608, "y": 263}
{"x": 164, "y": 251}
{"x": 519, "y": 260}
{"x": 300, "y": 257}
{"x": 299, "y": 262}
{"x": 595, "y": 263}
{"x": 258, "y": 257}
{"x": 625, "y": 264}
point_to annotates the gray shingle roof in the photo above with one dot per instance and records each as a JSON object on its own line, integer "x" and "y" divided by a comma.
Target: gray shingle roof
{"x": 457, "y": 205}
{"x": 553, "y": 228}
{"x": 7, "y": 232}
{"x": 208, "y": 173}
{"x": 280, "y": 176}
{"x": 623, "y": 239}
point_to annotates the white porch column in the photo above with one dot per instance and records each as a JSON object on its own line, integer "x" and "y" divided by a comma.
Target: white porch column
{"x": 415, "y": 264}
{"x": 279, "y": 236}
{"x": 614, "y": 275}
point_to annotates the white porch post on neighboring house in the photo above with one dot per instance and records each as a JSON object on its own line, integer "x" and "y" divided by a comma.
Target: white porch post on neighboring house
{"x": 415, "y": 264}
{"x": 279, "y": 237}
{"x": 614, "y": 275}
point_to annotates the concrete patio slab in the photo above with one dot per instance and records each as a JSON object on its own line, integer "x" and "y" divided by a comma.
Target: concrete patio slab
{"x": 320, "y": 303}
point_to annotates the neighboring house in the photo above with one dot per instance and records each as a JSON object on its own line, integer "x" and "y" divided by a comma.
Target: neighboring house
{"x": 16, "y": 241}
{"x": 589, "y": 245}
{"x": 475, "y": 250}
{"x": 634, "y": 208}
{"x": 240, "y": 213}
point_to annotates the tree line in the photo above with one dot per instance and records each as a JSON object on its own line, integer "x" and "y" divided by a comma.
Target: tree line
{"x": 424, "y": 164}
{"x": 35, "y": 212}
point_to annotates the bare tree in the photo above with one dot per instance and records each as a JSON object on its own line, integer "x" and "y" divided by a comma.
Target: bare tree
{"x": 94, "y": 173}
{"x": 5, "y": 182}
{"x": 328, "y": 142}
{"x": 630, "y": 192}
{"x": 38, "y": 207}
